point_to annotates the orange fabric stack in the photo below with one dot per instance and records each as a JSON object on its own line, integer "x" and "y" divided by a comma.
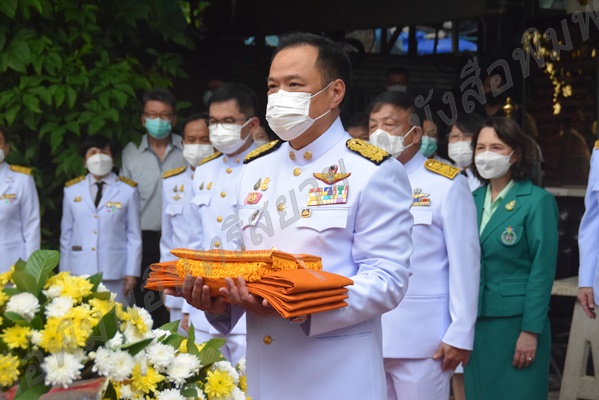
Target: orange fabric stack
{"x": 292, "y": 283}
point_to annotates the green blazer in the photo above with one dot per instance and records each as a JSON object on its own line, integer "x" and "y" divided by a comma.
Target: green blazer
{"x": 518, "y": 255}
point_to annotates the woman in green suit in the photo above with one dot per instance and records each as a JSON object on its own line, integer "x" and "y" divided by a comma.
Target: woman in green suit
{"x": 518, "y": 238}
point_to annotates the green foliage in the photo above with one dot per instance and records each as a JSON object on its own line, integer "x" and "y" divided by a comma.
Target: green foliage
{"x": 75, "y": 68}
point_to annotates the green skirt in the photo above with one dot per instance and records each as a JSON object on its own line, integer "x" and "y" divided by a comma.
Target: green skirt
{"x": 490, "y": 375}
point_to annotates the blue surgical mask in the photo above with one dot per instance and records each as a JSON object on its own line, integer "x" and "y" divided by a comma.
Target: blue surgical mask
{"x": 428, "y": 146}
{"x": 158, "y": 128}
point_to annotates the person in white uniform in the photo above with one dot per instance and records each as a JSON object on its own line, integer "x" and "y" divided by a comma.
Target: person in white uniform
{"x": 233, "y": 121}
{"x": 19, "y": 210}
{"x": 100, "y": 227}
{"x": 459, "y": 145}
{"x": 432, "y": 330}
{"x": 325, "y": 193}
{"x": 176, "y": 197}
{"x": 588, "y": 242}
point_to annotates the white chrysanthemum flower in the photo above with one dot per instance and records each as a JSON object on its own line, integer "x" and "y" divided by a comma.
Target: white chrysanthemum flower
{"x": 182, "y": 367}
{"x": 59, "y": 306}
{"x": 115, "y": 342}
{"x": 161, "y": 333}
{"x": 117, "y": 365}
{"x": 132, "y": 333}
{"x": 170, "y": 394}
{"x": 61, "y": 369}
{"x": 24, "y": 304}
{"x": 128, "y": 393}
{"x": 79, "y": 354}
{"x": 200, "y": 395}
{"x": 36, "y": 337}
{"x": 226, "y": 366}
{"x": 101, "y": 288}
{"x": 241, "y": 366}
{"x": 160, "y": 355}
{"x": 237, "y": 394}
{"x": 52, "y": 291}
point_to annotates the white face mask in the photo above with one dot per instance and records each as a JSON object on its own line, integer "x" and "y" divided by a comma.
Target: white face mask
{"x": 461, "y": 153}
{"x": 491, "y": 165}
{"x": 194, "y": 153}
{"x": 288, "y": 113}
{"x": 227, "y": 137}
{"x": 391, "y": 144}
{"x": 1, "y": 156}
{"x": 99, "y": 165}
{"x": 260, "y": 142}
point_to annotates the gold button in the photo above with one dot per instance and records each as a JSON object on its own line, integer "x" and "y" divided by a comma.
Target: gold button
{"x": 223, "y": 194}
{"x": 237, "y": 160}
{"x": 267, "y": 340}
{"x": 297, "y": 172}
{"x": 93, "y": 249}
{"x": 307, "y": 156}
{"x": 292, "y": 155}
{"x": 281, "y": 206}
{"x": 95, "y": 215}
{"x": 95, "y": 232}
{"x": 229, "y": 170}
{"x": 219, "y": 219}
{"x": 224, "y": 159}
{"x": 217, "y": 244}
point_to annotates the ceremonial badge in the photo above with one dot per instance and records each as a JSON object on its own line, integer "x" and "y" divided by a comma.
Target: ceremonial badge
{"x": 330, "y": 175}
{"x": 264, "y": 184}
{"x": 510, "y": 206}
{"x": 420, "y": 199}
{"x": 328, "y": 195}
{"x": 77, "y": 199}
{"x": 306, "y": 213}
{"x": 209, "y": 186}
{"x": 113, "y": 206}
{"x": 202, "y": 186}
{"x": 508, "y": 237}
{"x": 9, "y": 197}
{"x": 253, "y": 198}
{"x": 255, "y": 216}
{"x": 257, "y": 184}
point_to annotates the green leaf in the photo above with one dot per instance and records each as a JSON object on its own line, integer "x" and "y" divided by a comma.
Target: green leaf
{"x": 43, "y": 93}
{"x": 24, "y": 281}
{"x": 174, "y": 340}
{"x": 59, "y": 95}
{"x": 110, "y": 392}
{"x": 136, "y": 347}
{"x": 95, "y": 280}
{"x": 32, "y": 103}
{"x": 37, "y": 323}
{"x": 190, "y": 390}
{"x": 11, "y": 114}
{"x": 104, "y": 331}
{"x": 20, "y": 265}
{"x": 209, "y": 356}
{"x": 96, "y": 124}
{"x": 172, "y": 327}
{"x": 99, "y": 296}
{"x": 71, "y": 96}
{"x": 13, "y": 316}
{"x": 40, "y": 264}
{"x": 33, "y": 392}
{"x": 9, "y": 7}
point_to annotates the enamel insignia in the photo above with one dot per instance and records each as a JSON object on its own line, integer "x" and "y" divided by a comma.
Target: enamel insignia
{"x": 209, "y": 186}
{"x": 77, "y": 199}
{"x": 330, "y": 175}
{"x": 306, "y": 213}
{"x": 264, "y": 184}
{"x": 202, "y": 186}
{"x": 328, "y": 195}
{"x": 420, "y": 199}
{"x": 9, "y": 197}
{"x": 253, "y": 198}
{"x": 508, "y": 237}
{"x": 113, "y": 206}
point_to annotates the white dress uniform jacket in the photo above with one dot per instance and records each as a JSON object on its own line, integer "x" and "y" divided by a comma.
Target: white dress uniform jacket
{"x": 19, "y": 215}
{"x": 588, "y": 235}
{"x": 176, "y": 197}
{"x": 106, "y": 239}
{"x": 441, "y": 302}
{"x": 213, "y": 212}
{"x": 338, "y": 353}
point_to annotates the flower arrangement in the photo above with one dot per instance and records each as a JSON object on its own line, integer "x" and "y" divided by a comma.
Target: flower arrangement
{"x": 56, "y": 330}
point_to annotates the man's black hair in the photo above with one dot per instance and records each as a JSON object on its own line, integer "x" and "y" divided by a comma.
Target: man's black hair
{"x": 402, "y": 100}
{"x": 246, "y": 98}
{"x": 99, "y": 141}
{"x": 161, "y": 95}
{"x": 332, "y": 61}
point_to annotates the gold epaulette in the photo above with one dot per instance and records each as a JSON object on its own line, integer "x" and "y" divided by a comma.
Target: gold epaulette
{"x": 367, "y": 150}
{"x": 597, "y": 145}
{"x": 127, "y": 181}
{"x": 18, "y": 168}
{"x": 211, "y": 157}
{"x": 74, "y": 181}
{"x": 173, "y": 172}
{"x": 262, "y": 151}
{"x": 441, "y": 168}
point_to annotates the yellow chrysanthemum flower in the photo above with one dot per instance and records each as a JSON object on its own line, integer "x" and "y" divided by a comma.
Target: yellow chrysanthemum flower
{"x": 102, "y": 307}
{"x": 3, "y": 298}
{"x": 16, "y": 337}
{"x": 219, "y": 384}
{"x": 183, "y": 346}
{"x": 243, "y": 383}
{"x": 9, "y": 370}
{"x": 5, "y": 277}
{"x": 146, "y": 383}
{"x": 133, "y": 316}
{"x": 70, "y": 331}
{"x": 75, "y": 287}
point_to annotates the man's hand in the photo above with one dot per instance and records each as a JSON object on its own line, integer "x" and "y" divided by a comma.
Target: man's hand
{"x": 526, "y": 349}
{"x": 130, "y": 282}
{"x": 198, "y": 295}
{"x": 238, "y": 294}
{"x": 585, "y": 296}
{"x": 185, "y": 323}
{"x": 452, "y": 356}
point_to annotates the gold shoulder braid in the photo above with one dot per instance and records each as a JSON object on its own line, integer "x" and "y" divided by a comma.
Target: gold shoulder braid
{"x": 211, "y": 157}
{"x": 74, "y": 181}
{"x": 173, "y": 172}
{"x": 18, "y": 168}
{"x": 441, "y": 168}
{"x": 597, "y": 145}
{"x": 262, "y": 151}
{"x": 367, "y": 150}
{"x": 128, "y": 181}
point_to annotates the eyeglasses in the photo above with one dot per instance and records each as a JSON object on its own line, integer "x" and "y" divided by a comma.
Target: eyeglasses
{"x": 161, "y": 116}
{"x": 458, "y": 136}
{"x": 225, "y": 123}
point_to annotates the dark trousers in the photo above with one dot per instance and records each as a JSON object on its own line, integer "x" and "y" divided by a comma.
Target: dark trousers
{"x": 150, "y": 299}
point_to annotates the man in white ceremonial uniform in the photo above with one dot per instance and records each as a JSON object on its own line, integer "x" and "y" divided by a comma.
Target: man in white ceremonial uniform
{"x": 176, "y": 198}
{"x": 100, "y": 227}
{"x": 432, "y": 330}
{"x": 588, "y": 242}
{"x": 327, "y": 194}
{"x": 19, "y": 210}
{"x": 232, "y": 121}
